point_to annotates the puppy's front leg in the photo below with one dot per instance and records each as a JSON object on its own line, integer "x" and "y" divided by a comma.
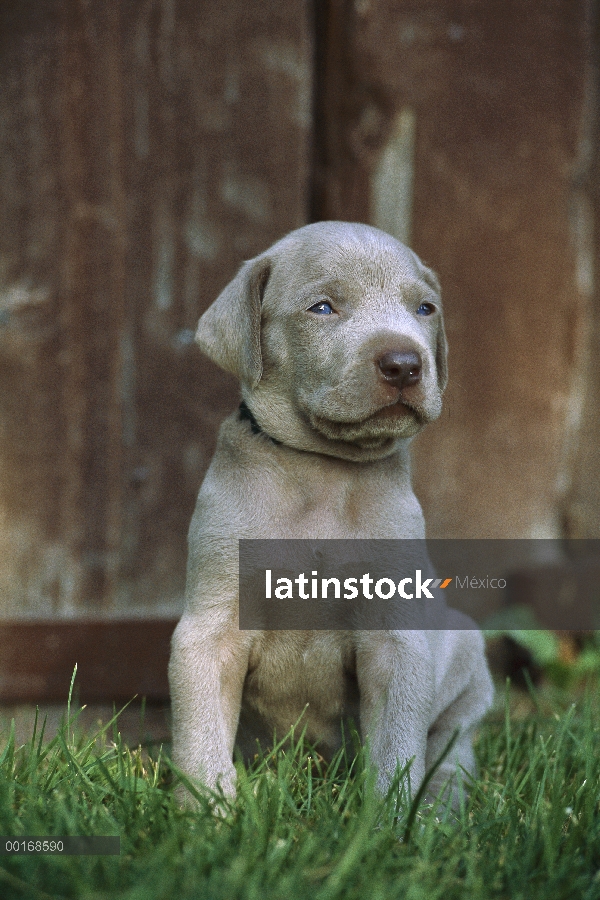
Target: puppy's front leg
{"x": 208, "y": 665}
{"x": 396, "y": 685}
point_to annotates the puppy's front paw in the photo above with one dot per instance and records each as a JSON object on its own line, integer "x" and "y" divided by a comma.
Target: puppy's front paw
{"x": 216, "y": 792}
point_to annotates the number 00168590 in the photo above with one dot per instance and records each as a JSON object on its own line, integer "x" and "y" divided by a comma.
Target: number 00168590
{"x": 33, "y": 846}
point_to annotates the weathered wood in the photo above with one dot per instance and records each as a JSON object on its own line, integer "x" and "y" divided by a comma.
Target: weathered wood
{"x": 582, "y": 517}
{"x": 497, "y": 91}
{"x": 146, "y": 150}
{"x": 115, "y": 660}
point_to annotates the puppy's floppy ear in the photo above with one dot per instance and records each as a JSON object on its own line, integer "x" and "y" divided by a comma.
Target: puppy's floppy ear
{"x": 229, "y": 330}
{"x": 441, "y": 357}
{"x": 441, "y": 348}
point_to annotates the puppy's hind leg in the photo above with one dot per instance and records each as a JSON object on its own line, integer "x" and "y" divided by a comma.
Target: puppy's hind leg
{"x": 468, "y": 692}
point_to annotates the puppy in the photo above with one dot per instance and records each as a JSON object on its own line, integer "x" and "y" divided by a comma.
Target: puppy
{"x": 337, "y": 337}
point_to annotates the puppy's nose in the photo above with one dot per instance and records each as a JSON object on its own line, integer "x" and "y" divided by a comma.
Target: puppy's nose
{"x": 402, "y": 369}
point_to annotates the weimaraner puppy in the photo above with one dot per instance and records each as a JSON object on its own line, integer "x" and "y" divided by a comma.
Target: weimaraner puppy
{"x": 336, "y": 335}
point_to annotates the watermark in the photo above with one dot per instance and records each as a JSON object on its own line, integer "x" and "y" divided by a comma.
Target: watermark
{"x": 70, "y": 845}
{"x": 418, "y": 584}
{"x": 476, "y": 584}
{"x": 384, "y": 588}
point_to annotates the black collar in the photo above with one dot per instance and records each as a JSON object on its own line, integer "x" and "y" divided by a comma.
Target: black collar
{"x": 246, "y": 413}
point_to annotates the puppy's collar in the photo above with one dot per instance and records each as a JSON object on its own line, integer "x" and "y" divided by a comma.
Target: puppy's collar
{"x": 246, "y": 414}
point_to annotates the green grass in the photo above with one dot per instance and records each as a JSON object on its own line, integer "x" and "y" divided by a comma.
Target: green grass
{"x": 299, "y": 829}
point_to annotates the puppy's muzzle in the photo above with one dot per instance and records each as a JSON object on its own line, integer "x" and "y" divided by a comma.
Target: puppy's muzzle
{"x": 401, "y": 369}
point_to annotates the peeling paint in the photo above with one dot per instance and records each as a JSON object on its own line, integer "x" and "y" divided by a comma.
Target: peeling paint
{"x": 164, "y": 255}
{"x": 202, "y": 240}
{"x": 583, "y": 236}
{"x": 392, "y": 180}
{"x": 288, "y": 59}
{"x": 249, "y": 195}
{"x": 20, "y": 295}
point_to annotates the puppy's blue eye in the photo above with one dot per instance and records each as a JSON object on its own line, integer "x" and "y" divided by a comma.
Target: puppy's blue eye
{"x": 323, "y": 308}
{"x": 426, "y": 309}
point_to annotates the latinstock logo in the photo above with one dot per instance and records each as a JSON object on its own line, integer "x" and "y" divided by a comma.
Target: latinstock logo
{"x": 297, "y": 588}
{"x": 380, "y": 584}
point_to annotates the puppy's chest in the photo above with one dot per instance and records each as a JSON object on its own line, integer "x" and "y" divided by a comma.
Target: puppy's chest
{"x": 358, "y": 508}
{"x": 294, "y": 674}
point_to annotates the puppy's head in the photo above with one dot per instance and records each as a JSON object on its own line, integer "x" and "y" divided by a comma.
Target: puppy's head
{"x": 336, "y": 334}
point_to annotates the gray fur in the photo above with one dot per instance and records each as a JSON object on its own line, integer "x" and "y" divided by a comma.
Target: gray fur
{"x": 342, "y": 470}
